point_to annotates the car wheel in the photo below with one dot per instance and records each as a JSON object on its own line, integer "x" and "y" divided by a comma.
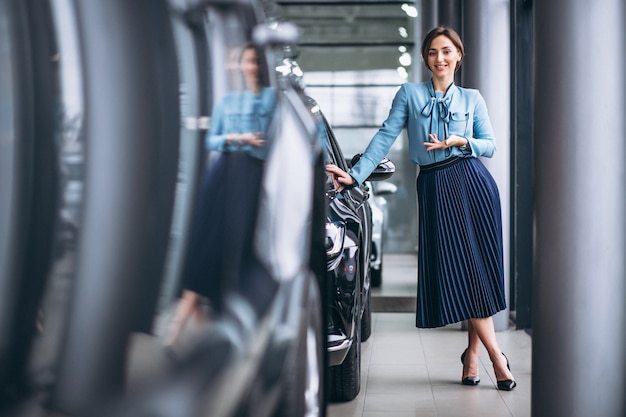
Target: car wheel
{"x": 345, "y": 379}
{"x": 366, "y": 320}
{"x": 304, "y": 386}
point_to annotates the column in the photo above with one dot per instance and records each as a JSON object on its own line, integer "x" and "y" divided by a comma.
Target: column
{"x": 486, "y": 66}
{"x": 427, "y": 20}
{"x": 579, "y": 291}
{"x": 449, "y": 14}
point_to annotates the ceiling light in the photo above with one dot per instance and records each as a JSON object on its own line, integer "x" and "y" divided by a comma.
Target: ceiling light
{"x": 411, "y": 11}
{"x": 403, "y": 32}
{"x": 402, "y": 72}
{"x": 405, "y": 59}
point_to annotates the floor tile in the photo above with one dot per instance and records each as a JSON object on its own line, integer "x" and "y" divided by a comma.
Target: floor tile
{"x": 416, "y": 372}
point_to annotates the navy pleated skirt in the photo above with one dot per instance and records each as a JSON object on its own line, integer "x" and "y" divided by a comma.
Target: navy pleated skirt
{"x": 220, "y": 258}
{"x": 460, "y": 264}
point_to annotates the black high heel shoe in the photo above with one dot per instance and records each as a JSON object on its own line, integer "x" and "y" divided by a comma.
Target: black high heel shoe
{"x": 468, "y": 380}
{"x": 507, "y": 384}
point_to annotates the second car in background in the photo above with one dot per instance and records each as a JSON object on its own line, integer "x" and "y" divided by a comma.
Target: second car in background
{"x": 378, "y": 202}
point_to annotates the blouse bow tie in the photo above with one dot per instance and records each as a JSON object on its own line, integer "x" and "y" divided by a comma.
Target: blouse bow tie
{"x": 442, "y": 104}
{"x": 441, "y": 114}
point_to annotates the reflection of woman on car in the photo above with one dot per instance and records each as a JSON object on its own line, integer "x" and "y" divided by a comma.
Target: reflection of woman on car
{"x": 220, "y": 256}
{"x": 240, "y": 120}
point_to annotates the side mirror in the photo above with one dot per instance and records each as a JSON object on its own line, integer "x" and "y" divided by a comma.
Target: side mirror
{"x": 385, "y": 188}
{"x": 384, "y": 170}
{"x": 281, "y": 34}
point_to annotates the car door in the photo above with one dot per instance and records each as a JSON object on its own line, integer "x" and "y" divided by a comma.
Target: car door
{"x": 357, "y": 198}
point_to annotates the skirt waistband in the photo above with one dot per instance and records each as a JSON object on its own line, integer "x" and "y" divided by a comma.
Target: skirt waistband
{"x": 441, "y": 164}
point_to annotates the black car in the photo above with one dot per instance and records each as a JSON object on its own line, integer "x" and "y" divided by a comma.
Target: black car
{"x": 348, "y": 254}
{"x": 135, "y": 83}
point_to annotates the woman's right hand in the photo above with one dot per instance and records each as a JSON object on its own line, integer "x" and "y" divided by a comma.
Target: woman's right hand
{"x": 340, "y": 177}
{"x": 247, "y": 138}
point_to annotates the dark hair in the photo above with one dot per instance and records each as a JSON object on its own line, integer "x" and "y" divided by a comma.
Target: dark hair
{"x": 247, "y": 46}
{"x": 263, "y": 67}
{"x": 448, "y": 33}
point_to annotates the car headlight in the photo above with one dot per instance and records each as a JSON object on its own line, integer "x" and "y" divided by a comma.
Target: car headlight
{"x": 335, "y": 233}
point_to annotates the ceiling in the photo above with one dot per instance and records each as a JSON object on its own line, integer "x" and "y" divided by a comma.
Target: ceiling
{"x": 350, "y": 35}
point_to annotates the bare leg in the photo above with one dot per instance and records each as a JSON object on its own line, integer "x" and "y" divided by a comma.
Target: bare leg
{"x": 187, "y": 306}
{"x": 470, "y": 364}
{"x": 485, "y": 331}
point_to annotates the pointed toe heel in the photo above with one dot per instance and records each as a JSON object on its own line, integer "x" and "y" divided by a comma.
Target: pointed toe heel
{"x": 468, "y": 380}
{"x": 507, "y": 384}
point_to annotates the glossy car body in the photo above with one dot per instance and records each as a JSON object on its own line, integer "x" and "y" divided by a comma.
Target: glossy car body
{"x": 145, "y": 89}
{"x": 348, "y": 251}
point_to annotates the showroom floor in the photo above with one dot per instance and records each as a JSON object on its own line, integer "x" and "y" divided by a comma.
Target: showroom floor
{"x": 408, "y": 372}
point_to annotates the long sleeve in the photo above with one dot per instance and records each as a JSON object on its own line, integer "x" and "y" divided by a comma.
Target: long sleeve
{"x": 416, "y": 106}
{"x": 483, "y": 142}
{"x": 385, "y": 137}
{"x": 216, "y": 137}
{"x": 242, "y": 112}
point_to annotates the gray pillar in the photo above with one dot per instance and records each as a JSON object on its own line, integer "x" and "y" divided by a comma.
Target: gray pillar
{"x": 579, "y": 291}
{"x": 428, "y": 20}
{"x": 486, "y": 37}
{"x": 132, "y": 127}
{"x": 449, "y": 14}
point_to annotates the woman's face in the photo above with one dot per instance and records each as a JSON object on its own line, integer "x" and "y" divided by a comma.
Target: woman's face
{"x": 250, "y": 63}
{"x": 443, "y": 57}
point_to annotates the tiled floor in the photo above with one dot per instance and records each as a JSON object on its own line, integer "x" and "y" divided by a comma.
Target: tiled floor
{"x": 408, "y": 372}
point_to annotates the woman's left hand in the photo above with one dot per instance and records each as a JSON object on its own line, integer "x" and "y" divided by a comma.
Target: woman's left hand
{"x": 452, "y": 140}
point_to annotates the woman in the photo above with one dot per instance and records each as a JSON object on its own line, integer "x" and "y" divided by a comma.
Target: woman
{"x": 220, "y": 252}
{"x": 460, "y": 267}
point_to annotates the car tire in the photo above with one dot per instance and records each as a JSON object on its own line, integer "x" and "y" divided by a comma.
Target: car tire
{"x": 345, "y": 379}
{"x": 304, "y": 392}
{"x": 366, "y": 319}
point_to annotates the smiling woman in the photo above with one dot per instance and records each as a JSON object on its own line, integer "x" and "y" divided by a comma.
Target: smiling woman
{"x": 443, "y": 51}
{"x": 460, "y": 267}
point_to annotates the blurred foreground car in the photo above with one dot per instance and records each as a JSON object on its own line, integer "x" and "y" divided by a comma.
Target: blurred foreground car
{"x": 348, "y": 251}
{"x": 136, "y": 82}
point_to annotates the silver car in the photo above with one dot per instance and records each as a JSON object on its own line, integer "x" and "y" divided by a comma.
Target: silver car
{"x": 378, "y": 202}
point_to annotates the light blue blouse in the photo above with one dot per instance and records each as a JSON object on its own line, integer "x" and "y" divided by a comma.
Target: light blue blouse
{"x": 242, "y": 112}
{"x": 416, "y": 106}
